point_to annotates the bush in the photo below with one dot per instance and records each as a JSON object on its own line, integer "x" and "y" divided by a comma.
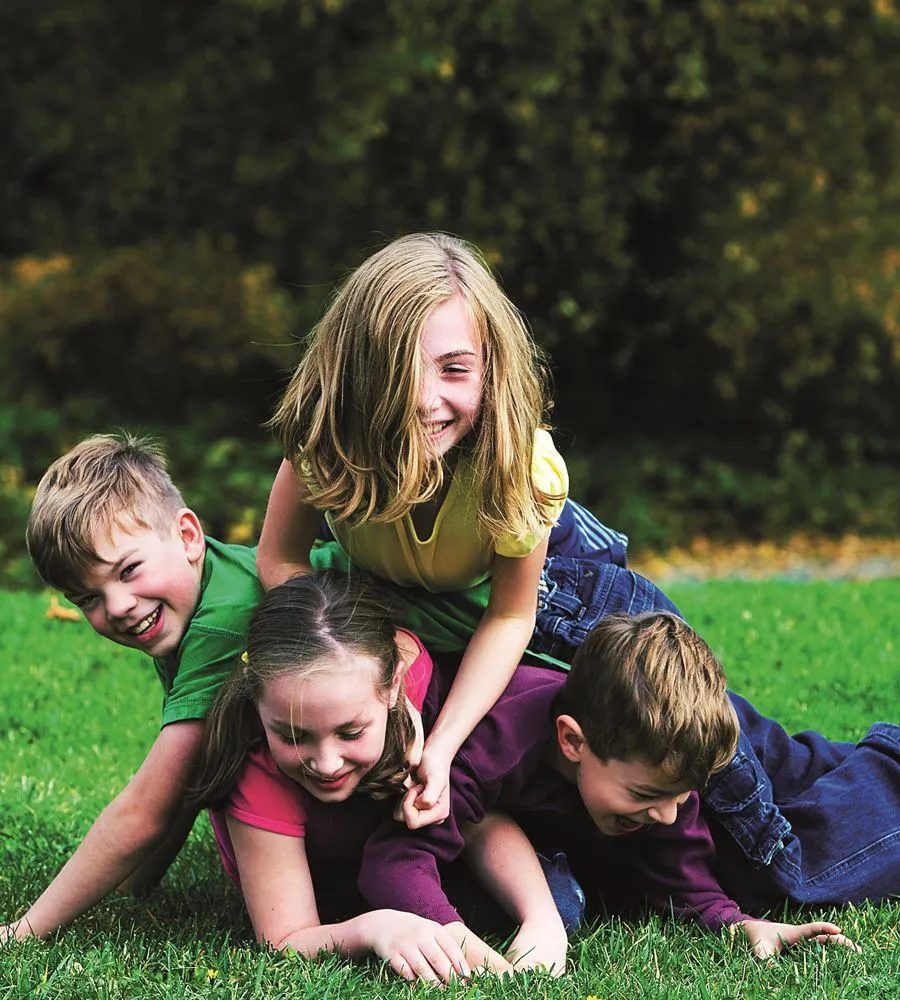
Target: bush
{"x": 695, "y": 204}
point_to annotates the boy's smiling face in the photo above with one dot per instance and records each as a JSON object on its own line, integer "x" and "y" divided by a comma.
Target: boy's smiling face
{"x": 143, "y": 590}
{"x": 621, "y": 796}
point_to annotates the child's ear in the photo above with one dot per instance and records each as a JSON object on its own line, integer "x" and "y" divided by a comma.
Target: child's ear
{"x": 395, "y": 688}
{"x": 190, "y": 531}
{"x": 405, "y": 656}
{"x": 570, "y": 738}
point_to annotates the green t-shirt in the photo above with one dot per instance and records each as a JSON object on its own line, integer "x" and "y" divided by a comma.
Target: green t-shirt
{"x": 216, "y": 635}
{"x": 444, "y": 622}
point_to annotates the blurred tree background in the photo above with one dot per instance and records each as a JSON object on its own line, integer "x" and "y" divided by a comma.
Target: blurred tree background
{"x": 696, "y": 205}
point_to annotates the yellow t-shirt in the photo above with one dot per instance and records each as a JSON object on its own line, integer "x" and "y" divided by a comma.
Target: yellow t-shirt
{"x": 458, "y": 554}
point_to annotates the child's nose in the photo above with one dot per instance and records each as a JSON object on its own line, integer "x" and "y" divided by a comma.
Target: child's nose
{"x": 665, "y": 812}
{"x": 328, "y": 761}
{"x": 119, "y": 603}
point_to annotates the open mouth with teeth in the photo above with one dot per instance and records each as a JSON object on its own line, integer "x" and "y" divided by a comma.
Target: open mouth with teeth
{"x": 145, "y": 626}
{"x": 437, "y": 429}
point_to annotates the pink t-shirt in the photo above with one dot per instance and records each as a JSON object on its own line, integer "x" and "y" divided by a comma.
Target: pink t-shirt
{"x": 266, "y": 798}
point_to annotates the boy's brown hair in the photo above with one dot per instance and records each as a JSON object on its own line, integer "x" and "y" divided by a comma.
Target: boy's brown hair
{"x": 648, "y": 686}
{"x": 105, "y": 481}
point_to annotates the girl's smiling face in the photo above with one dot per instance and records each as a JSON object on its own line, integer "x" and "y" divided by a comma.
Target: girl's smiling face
{"x": 327, "y": 731}
{"x": 453, "y": 369}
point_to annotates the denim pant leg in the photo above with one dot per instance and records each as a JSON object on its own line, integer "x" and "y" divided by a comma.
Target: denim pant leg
{"x": 484, "y": 914}
{"x": 578, "y": 533}
{"x": 575, "y": 593}
{"x": 831, "y": 838}
{"x": 564, "y": 888}
{"x": 791, "y": 762}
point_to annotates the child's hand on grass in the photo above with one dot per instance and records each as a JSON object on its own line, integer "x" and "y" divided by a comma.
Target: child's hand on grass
{"x": 480, "y": 956}
{"x": 17, "y": 931}
{"x": 769, "y": 939}
{"x": 540, "y": 945}
{"x": 415, "y": 948}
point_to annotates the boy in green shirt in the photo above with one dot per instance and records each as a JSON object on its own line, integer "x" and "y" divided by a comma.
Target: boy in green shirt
{"x": 109, "y": 529}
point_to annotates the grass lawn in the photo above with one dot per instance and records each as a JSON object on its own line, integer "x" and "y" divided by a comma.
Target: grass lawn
{"x": 78, "y": 714}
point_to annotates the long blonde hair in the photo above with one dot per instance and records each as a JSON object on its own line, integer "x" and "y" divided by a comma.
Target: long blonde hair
{"x": 296, "y": 627}
{"x": 349, "y": 420}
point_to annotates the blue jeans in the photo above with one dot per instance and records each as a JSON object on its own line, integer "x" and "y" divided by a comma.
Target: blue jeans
{"x": 575, "y": 593}
{"x": 807, "y": 819}
{"x": 585, "y": 579}
{"x": 564, "y": 888}
{"x": 481, "y": 911}
{"x": 579, "y": 534}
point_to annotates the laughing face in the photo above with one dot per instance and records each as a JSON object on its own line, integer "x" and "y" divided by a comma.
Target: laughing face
{"x": 327, "y": 731}
{"x": 452, "y": 377}
{"x": 144, "y": 587}
{"x": 621, "y": 796}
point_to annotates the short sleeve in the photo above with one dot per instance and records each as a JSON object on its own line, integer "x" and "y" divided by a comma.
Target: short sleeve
{"x": 550, "y": 476}
{"x": 208, "y": 656}
{"x": 418, "y": 677}
{"x": 265, "y": 798}
{"x": 216, "y": 634}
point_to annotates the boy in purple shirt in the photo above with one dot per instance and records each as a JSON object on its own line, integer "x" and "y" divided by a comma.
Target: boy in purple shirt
{"x": 605, "y": 761}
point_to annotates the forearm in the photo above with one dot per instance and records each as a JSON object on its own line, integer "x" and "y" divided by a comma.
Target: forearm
{"x": 350, "y": 938}
{"x": 151, "y": 870}
{"x": 678, "y": 865}
{"x": 118, "y": 842}
{"x": 505, "y": 862}
{"x": 399, "y": 870}
{"x": 490, "y": 659}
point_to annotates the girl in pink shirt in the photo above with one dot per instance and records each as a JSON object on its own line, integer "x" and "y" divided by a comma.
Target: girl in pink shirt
{"x": 327, "y": 705}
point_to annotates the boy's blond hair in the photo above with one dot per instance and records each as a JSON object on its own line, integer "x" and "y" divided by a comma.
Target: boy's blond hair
{"x": 349, "y": 421}
{"x": 648, "y": 686}
{"x": 105, "y": 481}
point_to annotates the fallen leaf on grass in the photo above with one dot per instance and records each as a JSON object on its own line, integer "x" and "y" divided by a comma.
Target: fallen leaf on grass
{"x": 63, "y": 614}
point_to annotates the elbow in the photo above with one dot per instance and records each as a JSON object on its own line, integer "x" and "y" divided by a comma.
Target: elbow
{"x": 140, "y": 830}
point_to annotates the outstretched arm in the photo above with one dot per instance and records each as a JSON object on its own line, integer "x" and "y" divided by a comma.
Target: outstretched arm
{"x": 288, "y": 531}
{"x": 491, "y": 657}
{"x": 147, "y": 875}
{"x": 279, "y": 894}
{"x": 123, "y": 837}
{"x": 769, "y": 939}
{"x": 505, "y": 861}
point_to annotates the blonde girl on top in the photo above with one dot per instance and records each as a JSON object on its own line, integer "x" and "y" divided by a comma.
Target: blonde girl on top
{"x": 414, "y": 422}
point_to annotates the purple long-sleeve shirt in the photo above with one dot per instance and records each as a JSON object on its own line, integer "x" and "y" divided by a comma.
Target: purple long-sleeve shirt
{"x": 504, "y": 765}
